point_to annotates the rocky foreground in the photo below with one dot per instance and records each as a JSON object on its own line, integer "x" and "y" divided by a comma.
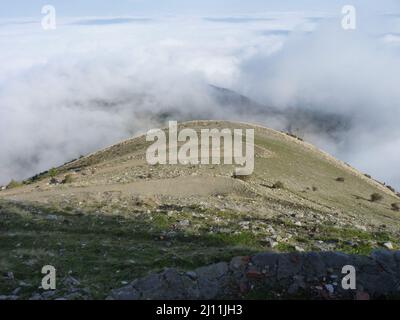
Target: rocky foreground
{"x": 110, "y": 217}
{"x": 275, "y": 276}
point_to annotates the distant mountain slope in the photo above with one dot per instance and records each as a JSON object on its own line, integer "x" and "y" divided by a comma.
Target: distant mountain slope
{"x": 293, "y": 120}
{"x": 230, "y": 105}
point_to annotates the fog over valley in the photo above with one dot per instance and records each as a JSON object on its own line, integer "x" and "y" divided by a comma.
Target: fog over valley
{"x": 95, "y": 81}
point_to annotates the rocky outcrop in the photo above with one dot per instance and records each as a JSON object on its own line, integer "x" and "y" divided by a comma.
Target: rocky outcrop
{"x": 275, "y": 276}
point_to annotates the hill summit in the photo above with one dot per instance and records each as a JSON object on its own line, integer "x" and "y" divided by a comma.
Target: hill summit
{"x": 117, "y": 211}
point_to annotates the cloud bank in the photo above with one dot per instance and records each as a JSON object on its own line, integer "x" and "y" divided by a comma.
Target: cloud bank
{"x": 94, "y": 82}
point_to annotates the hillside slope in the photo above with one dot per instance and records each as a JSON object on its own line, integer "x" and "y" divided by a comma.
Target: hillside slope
{"x": 115, "y": 211}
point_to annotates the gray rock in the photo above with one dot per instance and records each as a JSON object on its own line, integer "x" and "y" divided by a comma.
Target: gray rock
{"x": 211, "y": 280}
{"x": 70, "y": 281}
{"x": 48, "y": 294}
{"x": 36, "y": 296}
{"x": 377, "y": 276}
{"x": 330, "y": 288}
{"x": 16, "y": 291}
{"x": 266, "y": 260}
{"x": 74, "y": 296}
{"x": 214, "y": 271}
{"x": 237, "y": 263}
{"x": 184, "y": 223}
{"x": 314, "y": 265}
{"x": 289, "y": 265}
{"x": 9, "y": 275}
{"x": 385, "y": 259}
{"x": 388, "y": 245}
{"x": 192, "y": 275}
{"x": 299, "y": 249}
{"x": 10, "y": 297}
{"x": 125, "y": 293}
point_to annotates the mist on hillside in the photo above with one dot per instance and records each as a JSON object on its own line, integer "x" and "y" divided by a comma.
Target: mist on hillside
{"x": 94, "y": 82}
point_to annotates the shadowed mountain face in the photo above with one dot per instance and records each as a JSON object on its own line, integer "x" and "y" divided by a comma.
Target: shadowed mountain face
{"x": 293, "y": 120}
{"x": 230, "y": 105}
{"x": 111, "y": 210}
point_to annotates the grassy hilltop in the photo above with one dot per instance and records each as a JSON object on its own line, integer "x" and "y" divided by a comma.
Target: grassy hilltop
{"x": 109, "y": 217}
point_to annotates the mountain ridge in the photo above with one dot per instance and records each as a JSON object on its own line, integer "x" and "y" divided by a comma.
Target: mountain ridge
{"x": 144, "y": 218}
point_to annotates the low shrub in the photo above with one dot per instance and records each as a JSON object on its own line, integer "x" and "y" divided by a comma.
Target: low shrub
{"x": 396, "y": 206}
{"x": 391, "y": 189}
{"x": 67, "y": 179}
{"x": 53, "y": 172}
{"x": 278, "y": 185}
{"x": 14, "y": 184}
{"x": 54, "y": 181}
{"x": 243, "y": 178}
{"x": 376, "y": 197}
{"x": 294, "y": 136}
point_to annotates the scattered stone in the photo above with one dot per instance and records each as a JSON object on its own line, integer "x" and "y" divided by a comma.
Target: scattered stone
{"x": 388, "y": 245}
{"x": 330, "y": 288}
{"x": 192, "y": 275}
{"x": 54, "y": 181}
{"x": 16, "y": 291}
{"x": 351, "y": 243}
{"x": 274, "y": 244}
{"x": 9, "y": 275}
{"x": 184, "y": 223}
{"x": 70, "y": 281}
{"x": 24, "y": 284}
{"x": 362, "y": 228}
{"x": 73, "y": 296}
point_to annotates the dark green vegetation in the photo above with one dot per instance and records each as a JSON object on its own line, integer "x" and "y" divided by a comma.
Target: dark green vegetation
{"x": 68, "y": 179}
{"x": 278, "y": 185}
{"x": 14, "y": 184}
{"x": 396, "y": 206}
{"x": 376, "y": 197}
{"x": 104, "y": 252}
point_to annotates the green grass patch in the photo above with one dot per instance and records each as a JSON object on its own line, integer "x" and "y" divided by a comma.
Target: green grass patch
{"x": 101, "y": 251}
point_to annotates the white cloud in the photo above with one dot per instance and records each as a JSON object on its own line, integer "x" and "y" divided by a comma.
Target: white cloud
{"x": 71, "y": 91}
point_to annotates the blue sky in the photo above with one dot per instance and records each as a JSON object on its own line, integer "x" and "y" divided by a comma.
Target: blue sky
{"x": 31, "y": 8}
